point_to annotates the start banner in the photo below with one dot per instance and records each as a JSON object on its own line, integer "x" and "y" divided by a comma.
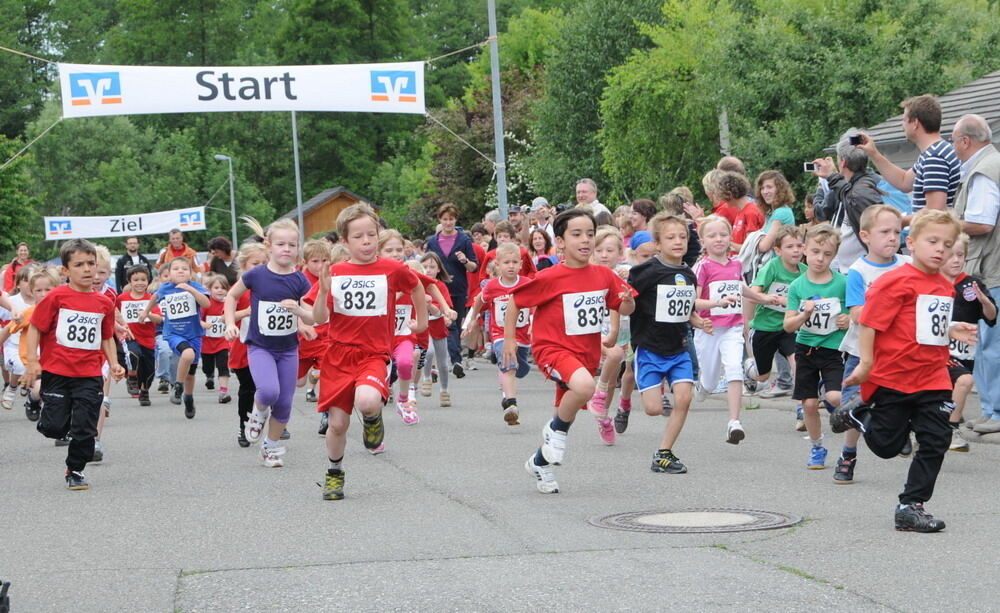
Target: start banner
{"x": 90, "y": 90}
{"x": 185, "y": 220}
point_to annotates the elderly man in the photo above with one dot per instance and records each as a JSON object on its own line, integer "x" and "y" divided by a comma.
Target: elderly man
{"x": 586, "y": 197}
{"x": 978, "y": 206}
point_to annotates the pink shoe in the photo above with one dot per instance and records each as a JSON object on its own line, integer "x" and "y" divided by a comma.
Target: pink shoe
{"x": 606, "y": 430}
{"x": 377, "y": 450}
{"x": 406, "y": 413}
{"x": 599, "y": 404}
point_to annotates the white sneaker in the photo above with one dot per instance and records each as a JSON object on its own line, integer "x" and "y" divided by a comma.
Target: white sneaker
{"x": 700, "y": 393}
{"x": 721, "y": 388}
{"x": 735, "y": 432}
{"x": 8, "y": 398}
{"x": 553, "y": 445}
{"x": 957, "y": 442}
{"x": 255, "y": 425}
{"x": 271, "y": 456}
{"x": 545, "y": 476}
{"x": 773, "y": 391}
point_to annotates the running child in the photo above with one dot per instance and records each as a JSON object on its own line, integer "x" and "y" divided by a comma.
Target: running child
{"x": 437, "y": 325}
{"x": 338, "y": 253}
{"x": 818, "y": 313}
{"x": 644, "y": 249}
{"x": 505, "y": 233}
{"x": 101, "y": 275}
{"x": 215, "y": 346}
{"x": 251, "y": 255}
{"x": 312, "y": 339}
{"x": 903, "y": 372}
{"x": 609, "y": 250}
{"x": 142, "y": 345}
{"x": 272, "y": 338}
{"x": 570, "y": 300}
{"x": 72, "y": 333}
{"x": 358, "y": 297}
{"x": 181, "y": 300}
{"x": 19, "y": 302}
{"x": 42, "y": 281}
{"x": 494, "y": 298}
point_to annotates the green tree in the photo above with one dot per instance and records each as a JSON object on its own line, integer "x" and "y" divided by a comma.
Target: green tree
{"x": 17, "y": 207}
{"x": 23, "y": 28}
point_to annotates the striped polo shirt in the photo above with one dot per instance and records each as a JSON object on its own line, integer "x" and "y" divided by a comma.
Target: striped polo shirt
{"x": 938, "y": 169}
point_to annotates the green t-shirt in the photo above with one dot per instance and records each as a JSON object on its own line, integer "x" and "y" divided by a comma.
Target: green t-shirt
{"x": 773, "y": 278}
{"x": 820, "y": 330}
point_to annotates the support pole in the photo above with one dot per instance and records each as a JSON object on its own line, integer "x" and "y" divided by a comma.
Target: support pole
{"x": 501, "y": 161}
{"x": 298, "y": 177}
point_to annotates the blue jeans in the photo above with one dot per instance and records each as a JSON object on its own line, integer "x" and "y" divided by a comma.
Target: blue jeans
{"x": 850, "y": 391}
{"x": 987, "y": 371}
{"x": 166, "y": 361}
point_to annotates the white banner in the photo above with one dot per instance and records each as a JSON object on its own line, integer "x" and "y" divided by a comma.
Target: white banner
{"x": 90, "y": 90}
{"x": 185, "y": 220}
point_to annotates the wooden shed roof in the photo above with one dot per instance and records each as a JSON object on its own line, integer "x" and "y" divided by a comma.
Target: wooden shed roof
{"x": 322, "y": 197}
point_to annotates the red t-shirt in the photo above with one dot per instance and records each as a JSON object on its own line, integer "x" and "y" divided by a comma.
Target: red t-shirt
{"x": 362, "y": 303}
{"x": 435, "y": 325}
{"x": 724, "y": 210}
{"x": 131, "y": 308}
{"x": 910, "y": 311}
{"x": 214, "y": 340}
{"x": 570, "y": 307}
{"x": 472, "y": 278}
{"x": 748, "y": 219}
{"x": 495, "y": 296}
{"x": 72, "y": 325}
{"x": 237, "y": 348}
{"x": 527, "y": 265}
{"x": 309, "y": 348}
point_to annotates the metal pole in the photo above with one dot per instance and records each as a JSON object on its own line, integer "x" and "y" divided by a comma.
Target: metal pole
{"x": 501, "y": 162}
{"x": 232, "y": 203}
{"x": 298, "y": 176}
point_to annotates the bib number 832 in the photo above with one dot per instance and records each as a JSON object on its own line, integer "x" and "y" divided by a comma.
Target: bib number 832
{"x": 359, "y": 301}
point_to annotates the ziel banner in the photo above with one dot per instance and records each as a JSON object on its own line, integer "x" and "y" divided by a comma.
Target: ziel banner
{"x": 185, "y": 220}
{"x": 90, "y": 90}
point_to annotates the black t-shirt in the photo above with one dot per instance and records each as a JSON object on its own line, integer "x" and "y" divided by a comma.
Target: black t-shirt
{"x": 967, "y": 309}
{"x": 663, "y": 306}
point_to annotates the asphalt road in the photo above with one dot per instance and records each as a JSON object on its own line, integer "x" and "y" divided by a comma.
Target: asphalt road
{"x": 179, "y": 518}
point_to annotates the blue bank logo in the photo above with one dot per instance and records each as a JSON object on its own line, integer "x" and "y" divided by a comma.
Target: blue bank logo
{"x": 394, "y": 85}
{"x": 60, "y": 227}
{"x": 192, "y": 219}
{"x": 91, "y": 88}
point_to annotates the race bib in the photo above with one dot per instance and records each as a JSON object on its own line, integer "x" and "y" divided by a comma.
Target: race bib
{"x": 403, "y": 315}
{"x": 674, "y": 303}
{"x": 583, "y": 312}
{"x": 131, "y": 309}
{"x": 275, "y": 320}
{"x": 719, "y": 290}
{"x": 216, "y": 326}
{"x": 823, "y": 320}
{"x": 178, "y": 305}
{"x": 360, "y": 295}
{"x": 960, "y": 350}
{"x": 79, "y": 330}
{"x": 777, "y": 289}
{"x": 500, "y": 312}
{"x": 933, "y": 316}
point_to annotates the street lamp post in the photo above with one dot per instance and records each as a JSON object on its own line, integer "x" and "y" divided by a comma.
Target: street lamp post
{"x": 232, "y": 195}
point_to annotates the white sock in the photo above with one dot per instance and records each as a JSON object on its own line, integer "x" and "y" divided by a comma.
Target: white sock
{"x": 269, "y": 443}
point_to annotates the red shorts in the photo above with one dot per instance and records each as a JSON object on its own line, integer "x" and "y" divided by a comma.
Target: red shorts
{"x": 559, "y": 365}
{"x": 307, "y": 363}
{"x": 314, "y": 348}
{"x": 344, "y": 368}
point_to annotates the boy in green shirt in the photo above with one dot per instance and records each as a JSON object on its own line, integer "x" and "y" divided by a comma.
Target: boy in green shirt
{"x": 817, "y": 311}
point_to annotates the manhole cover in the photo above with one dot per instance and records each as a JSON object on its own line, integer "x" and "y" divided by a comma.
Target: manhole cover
{"x": 697, "y": 521}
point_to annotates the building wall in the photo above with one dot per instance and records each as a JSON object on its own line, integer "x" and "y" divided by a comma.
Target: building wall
{"x": 323, "y": 218}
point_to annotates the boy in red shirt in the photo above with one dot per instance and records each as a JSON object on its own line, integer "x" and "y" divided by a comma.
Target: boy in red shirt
{"x": 74, "y": 329}
{"x": 358, "y": 298}
{"x": 505, "y": 233}
{"x": 571, "y": 300}
{"x": 142, "y": 345}
{"x": 903, "y": 373}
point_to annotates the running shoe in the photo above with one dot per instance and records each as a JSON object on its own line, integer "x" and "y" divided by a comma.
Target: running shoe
{"x": 62, "y": 442}
{"x": 621, "y": 421}
{"x": 132, "y": 384}
{"x": 700, "y": 393}
{"x": 224, "y": 397}
{"x": 164, "y": 386}
{"x": 76, "y": 481}
{"x": 106, "y": 407}
{"x": 750, "y": 375}
{"x": 817, "y": 458}
{"x": 667, "y": 407}
{"x": 800, "y": 419}
{"x": 98, "y": 452}
{"x": 445, "y": 399}
{"x": 241, "y": 438}
{"x": 849, "y": 415}
{"x": 7, "y": 400}
{"x": 32, "y": 409}
{"x": 324, "y": 423}
{"x": 189, "y": 406}
{"x": 434, "y": 374}
{"x": 607, "y": 430}
{"x": 913, "y": 518}
{"x": 735, "y": 432}
{"x": 545, "y": 476}
{"x": 310, "y": 395}
{"x": 599, "y": 404}
{"x": 957, "y": 442}
{"x": 510, "y": 415}
{"x": 377, "y": 450}
{"x": 271, "y": 456}
{"x": 458, "y": 371}
{"x": 773, "y": 390}
{"x": 373, "y": 432}
{"x": 255, "y": 425}
{"x": 406, "y": 413}
{"x": 285, "y": 435}
{"x": 667, "y": 462}
{"x": 178, "y": 392}
{"x": 210, "y": 383}
{"x": 425, "y": 388}
{"x": 553, "y": 445}
{"x": 844, "y": 473}
{"x": 333, "y": 484}
{"x": 907, "y": 449}
{"x": 144, "y": 398}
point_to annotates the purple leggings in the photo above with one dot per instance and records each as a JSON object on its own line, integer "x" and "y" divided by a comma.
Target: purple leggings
{"x": 274, "y": 373}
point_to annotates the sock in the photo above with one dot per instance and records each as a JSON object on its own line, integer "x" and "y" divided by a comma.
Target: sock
{"x": 106, "y": 400}
{"x": 849, "y": 452}
{"x": 955, "y": 425}
{"x": 369, "y": 419}
{"x": 188, "y": 397}
{"x": 663, "y": 451}
{"x": 560, "y": 425}
{"x": 403, "y": 397}
{"x": 625, "y": 404}
{"x": 817, "y": 442}
{"x": 335, "y": 464}
{"x": 269, "y": 443}
{"x": 224, "y": 390}
{"x": 602, "y": 386}
{"x": 506, "y": 402}
{"x": 539, "y": 458}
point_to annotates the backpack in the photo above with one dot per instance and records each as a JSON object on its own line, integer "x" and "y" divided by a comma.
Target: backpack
{"x": 751, "y": 259}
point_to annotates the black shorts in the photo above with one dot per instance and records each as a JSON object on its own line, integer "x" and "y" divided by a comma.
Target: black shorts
{"x": 956, "y": 368}
{"x": 765, "y": 344}
{"x": 815, "y": 364}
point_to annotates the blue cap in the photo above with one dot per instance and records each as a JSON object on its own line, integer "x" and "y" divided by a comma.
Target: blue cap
{"x": 639, "y": 238}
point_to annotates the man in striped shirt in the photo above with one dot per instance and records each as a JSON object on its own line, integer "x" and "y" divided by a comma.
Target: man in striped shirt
{"x": 934, "y": 178}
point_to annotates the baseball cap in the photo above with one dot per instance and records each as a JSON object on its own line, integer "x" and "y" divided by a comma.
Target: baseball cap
{"x": 515, "y": 209}
{"x": 639, "y": 238}
{"x": 538, "y": 203}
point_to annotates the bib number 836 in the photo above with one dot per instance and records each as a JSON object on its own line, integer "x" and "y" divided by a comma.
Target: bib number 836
{"x": 81, "y": 334}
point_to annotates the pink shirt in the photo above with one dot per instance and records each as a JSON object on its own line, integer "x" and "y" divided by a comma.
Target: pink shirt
{"x": 716, "y": 281}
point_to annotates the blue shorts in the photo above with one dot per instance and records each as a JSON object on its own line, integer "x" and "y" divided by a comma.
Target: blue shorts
{"x": 652, "y": 368}
{"x": 193, "y": 343}
{"x": 523, "y": 367}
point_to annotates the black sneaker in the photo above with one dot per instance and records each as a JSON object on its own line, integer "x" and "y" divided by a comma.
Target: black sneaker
{"x": 621, "y": 421}
{"x": 310, "y": 395}
{"x": 164, "y": 386}
{"x": 913, "y": 518}
{"x": 178, "y": 391}
{"x": 63, "y": 442}
{"x": 210, "y": 383}
{"x": 324, "y": 423}
{"x": 33, "y": 409}
{"x": 285, "y": 435}
{"x": 458, "y": 371}
{"x": 132, "y": 384}
{"x": 907, "y": 449}
{"x": 241, "y": 438}
{"x": 76, "y": 481}
{"x": 189, "y": 406}
{"x": 667, "y": 462}
{"x": 844, "y": 473}
{"x": 666, "y": 405}
{"x": 333, "y": 485}
{"x": 144, "y": 398}
{"x": 374, "y": 432}
{"x": 849, "y": 415}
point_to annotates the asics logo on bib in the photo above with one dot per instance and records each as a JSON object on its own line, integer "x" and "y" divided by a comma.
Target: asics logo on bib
{"x": 357, "y": 284}
{"x": 823, "y": 306}
{"x": 276, "y": 307}
{"x": 588, "y": 300}
{"x": 84, "y": 319}
{"x": 670, "y": 293}
{"x": 935, "y": 305}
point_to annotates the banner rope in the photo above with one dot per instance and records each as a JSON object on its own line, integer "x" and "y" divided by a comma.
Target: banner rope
{"x": 27, "y": 55}
{"x": 26, "y": 147}
{"x": 457, "y": 51}
{"x": 467, "y": 143}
